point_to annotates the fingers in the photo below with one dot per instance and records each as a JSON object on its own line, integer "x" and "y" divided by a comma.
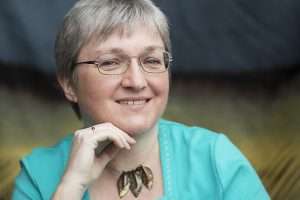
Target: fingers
{"x": 108, "y": 153}
{"x": 116, "y": 135}
{"x": 106, "y": 140}
{"x": 102, "y": 134}
{"x": 129, "y": 139}
{"x": 93, "y": 148}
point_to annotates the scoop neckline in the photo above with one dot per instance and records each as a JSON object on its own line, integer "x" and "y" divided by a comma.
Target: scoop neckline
{"x": 166, "y": 164}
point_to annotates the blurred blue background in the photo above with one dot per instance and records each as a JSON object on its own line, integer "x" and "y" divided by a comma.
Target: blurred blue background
{"x": 235, "y": 70}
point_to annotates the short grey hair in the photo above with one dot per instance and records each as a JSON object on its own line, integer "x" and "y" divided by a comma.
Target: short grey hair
{"x": 99, "y": 19}
{"x": 89, "y": 19}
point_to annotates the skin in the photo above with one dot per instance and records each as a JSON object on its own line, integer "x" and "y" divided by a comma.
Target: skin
{"x": 131, "y": 129}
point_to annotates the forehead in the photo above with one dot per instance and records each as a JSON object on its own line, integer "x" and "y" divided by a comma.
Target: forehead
{"x": 134, "y": 38}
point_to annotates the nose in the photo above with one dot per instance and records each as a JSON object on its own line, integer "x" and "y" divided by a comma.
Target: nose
{"x": 134, "y": 78}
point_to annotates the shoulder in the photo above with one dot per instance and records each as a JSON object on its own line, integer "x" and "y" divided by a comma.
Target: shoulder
{"x": 45, "y": 157}
{"x": 187, "y": 140}
{"x": 188, "y": 152}
{"x": 42, "y": 168}
{"x": 213, "y": 163}
{"x": 237, "y": 177}
{"x": 185, "y": 133}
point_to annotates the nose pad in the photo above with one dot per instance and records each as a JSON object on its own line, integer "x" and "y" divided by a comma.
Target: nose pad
{"x": 134, "y": 77}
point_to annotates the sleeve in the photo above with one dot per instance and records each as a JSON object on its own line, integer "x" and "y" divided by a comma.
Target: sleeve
{"x": 25, "y": 187}
{"x": 237, "y": 177}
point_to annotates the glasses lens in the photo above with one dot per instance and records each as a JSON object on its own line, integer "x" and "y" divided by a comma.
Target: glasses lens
{"x": 111, "y": 64}
{"x": 155, "y": 62}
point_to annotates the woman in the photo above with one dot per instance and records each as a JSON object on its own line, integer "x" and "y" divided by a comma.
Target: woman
{"x": 113, "y": 60}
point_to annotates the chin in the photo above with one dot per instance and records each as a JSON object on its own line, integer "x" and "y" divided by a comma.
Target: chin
{"x": 137, "y": 126}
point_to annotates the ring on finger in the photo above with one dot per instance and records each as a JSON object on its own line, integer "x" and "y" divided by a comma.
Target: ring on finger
{"x": 93, "y": 129}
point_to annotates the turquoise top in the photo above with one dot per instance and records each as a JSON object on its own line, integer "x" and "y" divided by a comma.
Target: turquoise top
{"x": 196, "y": 164}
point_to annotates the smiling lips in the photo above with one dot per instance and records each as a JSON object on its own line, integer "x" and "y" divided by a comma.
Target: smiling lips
{"x": 133, "y": 101}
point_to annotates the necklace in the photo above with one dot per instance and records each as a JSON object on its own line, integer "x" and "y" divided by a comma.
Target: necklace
{"x": 134, "y": 180}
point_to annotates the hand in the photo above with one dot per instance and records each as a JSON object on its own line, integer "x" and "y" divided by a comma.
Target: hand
{"x": 84, "y": 165}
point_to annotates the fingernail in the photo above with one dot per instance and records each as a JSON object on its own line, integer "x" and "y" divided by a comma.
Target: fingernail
{"x": 132, "y": 140}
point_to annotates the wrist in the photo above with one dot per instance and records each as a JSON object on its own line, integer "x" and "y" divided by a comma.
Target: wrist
{"x": 72, "y": 180}
{"x": 70, "y": 188}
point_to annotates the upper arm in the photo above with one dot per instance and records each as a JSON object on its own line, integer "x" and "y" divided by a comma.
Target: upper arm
{"x": 25, "y": 188}
{"x": 237, "y": 177}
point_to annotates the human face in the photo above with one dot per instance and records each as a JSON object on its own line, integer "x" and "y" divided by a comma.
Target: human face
{"x": 132, "y": 101}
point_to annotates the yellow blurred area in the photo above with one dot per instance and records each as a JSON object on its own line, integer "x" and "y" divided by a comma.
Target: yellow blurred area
{"x": 262, "y": 123}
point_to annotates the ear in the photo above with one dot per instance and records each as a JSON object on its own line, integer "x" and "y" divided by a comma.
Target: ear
{"x": 69, "y": 89}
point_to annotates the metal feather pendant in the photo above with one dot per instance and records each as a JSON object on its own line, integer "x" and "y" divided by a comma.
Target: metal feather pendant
{"x": 123, "y": 184}
{"x": 135, "y": 182}
{"x": 147, "y": 176}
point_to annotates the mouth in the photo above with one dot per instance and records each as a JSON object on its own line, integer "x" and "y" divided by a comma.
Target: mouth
{"x": 133, "y": 101}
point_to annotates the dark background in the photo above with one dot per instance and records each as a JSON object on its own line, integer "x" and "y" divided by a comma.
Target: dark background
{"x": 208, "y": 36}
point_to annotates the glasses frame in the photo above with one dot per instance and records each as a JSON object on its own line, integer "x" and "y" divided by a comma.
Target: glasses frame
{"x": 97, "y": 64}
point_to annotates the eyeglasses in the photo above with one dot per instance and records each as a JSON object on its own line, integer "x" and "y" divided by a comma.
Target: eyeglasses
{"x": 156, "y": 61}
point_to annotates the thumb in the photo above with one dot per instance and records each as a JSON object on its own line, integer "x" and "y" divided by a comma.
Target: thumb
{"x": 101, "y": 160}
{"x": 108, "y": 153}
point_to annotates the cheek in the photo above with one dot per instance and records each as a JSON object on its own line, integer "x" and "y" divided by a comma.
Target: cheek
{"x": 160, "y": 86}
{"x": 164, "y": 85}
{"x": 162, "y": 91}
{"x": 92, "y": 88}
{"x": 93, "y": 101}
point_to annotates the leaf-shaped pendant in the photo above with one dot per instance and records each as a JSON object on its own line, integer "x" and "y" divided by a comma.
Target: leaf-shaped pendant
{"x": 147, "y": 176}
{"x": 123, "y": 184}
{"x": 135, "y": 182}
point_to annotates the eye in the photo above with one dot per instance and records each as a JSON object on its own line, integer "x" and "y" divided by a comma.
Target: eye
{"x": 109, "y": 64}
{"x": 152, "y": 61}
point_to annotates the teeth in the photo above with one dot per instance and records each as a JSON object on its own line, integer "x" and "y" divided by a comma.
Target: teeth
{"x": 136, "y": 102}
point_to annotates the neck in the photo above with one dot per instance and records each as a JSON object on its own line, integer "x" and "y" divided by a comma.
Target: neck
{"x": 143, "y": 152}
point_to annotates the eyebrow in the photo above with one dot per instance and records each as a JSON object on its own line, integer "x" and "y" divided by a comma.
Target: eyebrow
{"x": 120, "y": 51}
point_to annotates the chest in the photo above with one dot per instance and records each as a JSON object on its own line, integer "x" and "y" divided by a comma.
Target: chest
{"x": 107, "y": 189}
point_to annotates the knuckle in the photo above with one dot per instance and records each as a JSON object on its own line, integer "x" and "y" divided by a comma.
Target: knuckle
{"x": 108, "y": 124}
{"x": 78, "y": 133}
